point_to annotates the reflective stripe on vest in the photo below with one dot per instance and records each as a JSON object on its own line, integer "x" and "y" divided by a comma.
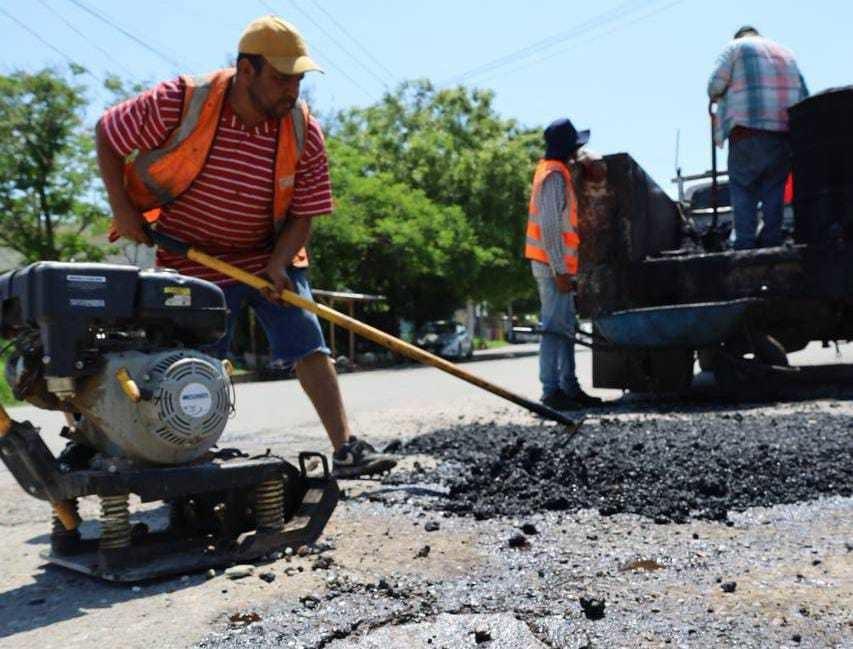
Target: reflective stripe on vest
{"x": 534, "y": 248}
{"x": 159, "y": 176}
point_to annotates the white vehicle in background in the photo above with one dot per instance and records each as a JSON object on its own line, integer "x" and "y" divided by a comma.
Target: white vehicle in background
{"x": 445, "y": 338}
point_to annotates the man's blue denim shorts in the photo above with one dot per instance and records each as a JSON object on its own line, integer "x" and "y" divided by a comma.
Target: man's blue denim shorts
{"x": 293, "y": 333}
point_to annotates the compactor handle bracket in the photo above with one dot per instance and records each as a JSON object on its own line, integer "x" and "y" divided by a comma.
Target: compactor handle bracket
{"x": 34, "y": 467}
{"x": 305, "y": 456}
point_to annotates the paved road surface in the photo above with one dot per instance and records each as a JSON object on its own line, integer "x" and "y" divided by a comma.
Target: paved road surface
{"x": 47, "y": 607}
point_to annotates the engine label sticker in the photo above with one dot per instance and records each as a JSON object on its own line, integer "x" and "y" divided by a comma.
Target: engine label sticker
{"x": 195, "y": 400}
{"x": 89, "y": 279}
{"x": 177, "y": 296}
{"x": 100, "y": 304}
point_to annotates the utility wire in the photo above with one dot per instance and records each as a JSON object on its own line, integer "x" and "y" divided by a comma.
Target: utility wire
{"x": 38, "y": 37}
{"x": 340, "y": 46}
{"x": 109, "y": 55}
{"x": 323, "y": 56}
{"x": 175, "y": 64}
{"x": 597, "y": 37}
{"x": 614, "y": 14}
{"x": 391, "y": 76}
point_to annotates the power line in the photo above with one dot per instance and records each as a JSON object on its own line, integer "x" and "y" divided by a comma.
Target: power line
{"x": 327, "y": 58}
{"x": 110, "y": 56}
{"x": 340, "y": 46}
{"x": 588, "y": 41}
{"x": 44, "y": 42}
{"x": 616, "y": 13}
{"x": 392, "y": 77}
{"x": 175, "y": 64}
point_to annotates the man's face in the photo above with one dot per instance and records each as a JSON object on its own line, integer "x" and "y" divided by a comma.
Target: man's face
{"x": 273, "y": 92}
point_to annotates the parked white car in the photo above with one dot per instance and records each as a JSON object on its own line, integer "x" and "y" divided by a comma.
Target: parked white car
{"x": 445, "y": 338}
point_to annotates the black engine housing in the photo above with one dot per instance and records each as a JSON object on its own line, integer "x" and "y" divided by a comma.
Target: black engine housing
{"x": 84, "y": 309}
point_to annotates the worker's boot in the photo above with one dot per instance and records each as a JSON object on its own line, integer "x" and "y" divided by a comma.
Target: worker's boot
{"x": 559, "y": 400}
{"x": 585, "y": 400}
{"x": 358, "y": 458}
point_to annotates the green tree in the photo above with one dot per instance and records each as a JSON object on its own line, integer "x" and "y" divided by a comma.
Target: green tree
{"x": 453, "y": 146}
{"x": 388, "y": 238}
{"x": 49, "y": 200}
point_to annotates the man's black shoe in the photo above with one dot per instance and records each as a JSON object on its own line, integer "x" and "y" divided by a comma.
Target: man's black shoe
{"x": 559, "y": 400}
{"x": 357, "y": 458}
{"x": 587, "y": 400}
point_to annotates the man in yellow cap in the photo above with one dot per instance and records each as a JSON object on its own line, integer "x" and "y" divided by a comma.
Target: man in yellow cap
{"x": 233, "y": 163}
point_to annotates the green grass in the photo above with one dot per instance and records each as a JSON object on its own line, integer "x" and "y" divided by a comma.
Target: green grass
{"x": 494, "y": 344}
{"x": 481, "y": 343}
{"x": 6, "y": 397}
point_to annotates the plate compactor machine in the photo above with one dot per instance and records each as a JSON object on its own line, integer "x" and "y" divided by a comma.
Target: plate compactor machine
{"x": 118, "y": 350}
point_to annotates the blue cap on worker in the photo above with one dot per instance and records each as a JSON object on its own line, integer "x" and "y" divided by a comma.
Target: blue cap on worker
{"x": 562, "y": 139}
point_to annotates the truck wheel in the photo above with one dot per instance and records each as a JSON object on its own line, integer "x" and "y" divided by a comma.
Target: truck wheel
{"x": 770, "y": 351}
{"x": 706, "y": 358}
{"x": 661, "y": 371}
{"x": 750, "y": 379}
{"x": 765, "y": 348}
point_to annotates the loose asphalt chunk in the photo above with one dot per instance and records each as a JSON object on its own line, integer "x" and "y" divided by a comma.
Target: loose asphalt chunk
{"x": 668, "y": 469}
{"x": 593, "y": 608}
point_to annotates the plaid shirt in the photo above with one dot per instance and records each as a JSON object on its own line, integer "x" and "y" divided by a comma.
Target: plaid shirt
{"x": 755, "y": 82}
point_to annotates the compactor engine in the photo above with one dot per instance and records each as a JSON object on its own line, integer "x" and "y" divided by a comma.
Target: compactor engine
{"x": 122, "y": 352}
{"x": 117, "y": 348}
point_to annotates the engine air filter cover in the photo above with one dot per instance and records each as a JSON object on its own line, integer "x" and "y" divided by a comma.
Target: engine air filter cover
{"x": 192, "y": 400}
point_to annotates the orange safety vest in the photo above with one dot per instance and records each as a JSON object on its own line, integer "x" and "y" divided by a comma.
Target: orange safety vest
{"x": 534, "y": 248}
{"x": 157, "y": 177}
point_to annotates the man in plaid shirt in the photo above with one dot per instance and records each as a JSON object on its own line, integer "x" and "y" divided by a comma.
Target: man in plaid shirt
{"x": 754, "y": 83}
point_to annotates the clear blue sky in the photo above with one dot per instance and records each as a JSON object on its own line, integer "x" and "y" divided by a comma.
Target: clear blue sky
{"x": 634, "y": 71}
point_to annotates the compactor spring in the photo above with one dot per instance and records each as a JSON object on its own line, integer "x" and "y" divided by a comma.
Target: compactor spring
{"x": 269, "y": 504}
{"x": 115, "y": 523}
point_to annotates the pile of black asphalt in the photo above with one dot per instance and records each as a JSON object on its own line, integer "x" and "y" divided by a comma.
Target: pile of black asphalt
{"x": 669, "y": 469}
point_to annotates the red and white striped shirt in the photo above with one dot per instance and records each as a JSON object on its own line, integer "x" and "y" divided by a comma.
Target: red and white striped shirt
{"x": 227, "y": 211}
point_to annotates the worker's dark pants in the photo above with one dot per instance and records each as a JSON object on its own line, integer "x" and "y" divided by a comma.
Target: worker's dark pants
{"x": 758, "y": 168}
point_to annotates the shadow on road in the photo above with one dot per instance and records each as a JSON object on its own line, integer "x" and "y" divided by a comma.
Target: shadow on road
{"x": 59, "y": 594}
{"x": 704, "y": 396}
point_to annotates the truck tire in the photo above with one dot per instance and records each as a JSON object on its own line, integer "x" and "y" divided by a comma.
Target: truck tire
{"x": 750, "y": 379}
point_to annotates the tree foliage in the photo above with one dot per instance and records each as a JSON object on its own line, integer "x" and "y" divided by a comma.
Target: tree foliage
{"x": 49, "y": 203}
{"x": 386, "y": 237}
{"x": 451, "y": 146}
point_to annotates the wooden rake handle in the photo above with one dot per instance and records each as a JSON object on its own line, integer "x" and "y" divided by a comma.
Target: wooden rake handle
{"x": 360, "y": 328}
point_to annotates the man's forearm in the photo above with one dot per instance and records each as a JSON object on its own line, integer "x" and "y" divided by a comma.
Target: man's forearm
{"x": 293, "y": 237}
{"x": 717, "y": 86}
{"x": 127, "y": 219}
{"x": 721, "y": 76}
{"x": 111, "y": 165}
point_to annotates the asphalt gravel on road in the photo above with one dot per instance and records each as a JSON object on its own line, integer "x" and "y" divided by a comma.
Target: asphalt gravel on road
{"x": 667, "y": 469}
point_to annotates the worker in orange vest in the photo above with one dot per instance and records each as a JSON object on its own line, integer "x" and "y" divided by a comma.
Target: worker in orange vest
{"x": 233, "y": 163}
{"x": 552, "y": 247}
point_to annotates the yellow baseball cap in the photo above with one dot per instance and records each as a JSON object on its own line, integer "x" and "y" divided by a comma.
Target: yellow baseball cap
{"x": 279, "y": 43}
